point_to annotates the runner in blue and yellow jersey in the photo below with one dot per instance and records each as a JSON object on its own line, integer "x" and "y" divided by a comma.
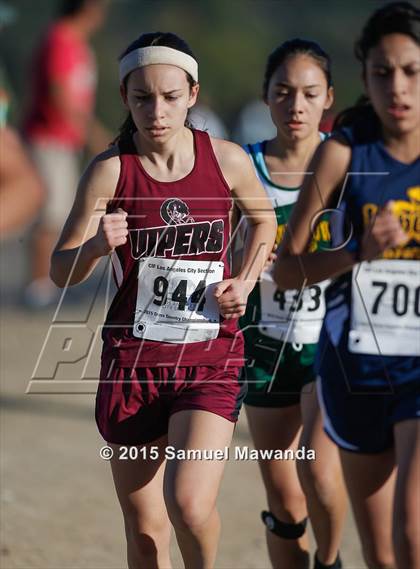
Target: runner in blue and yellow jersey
{"x": 368, "y": 354}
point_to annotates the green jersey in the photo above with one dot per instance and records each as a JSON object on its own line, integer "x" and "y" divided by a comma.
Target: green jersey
{"x": 292, "y": 316}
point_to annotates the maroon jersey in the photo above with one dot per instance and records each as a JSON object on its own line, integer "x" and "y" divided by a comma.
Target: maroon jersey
{"x": 164, "y": 312}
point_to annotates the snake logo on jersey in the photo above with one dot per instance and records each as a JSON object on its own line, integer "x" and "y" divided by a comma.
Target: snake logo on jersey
{"x": 181, "y": 236}
{"x": 175, "y": 212}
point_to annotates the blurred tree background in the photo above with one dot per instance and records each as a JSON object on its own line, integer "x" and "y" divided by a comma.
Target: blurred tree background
{"x": 230, "y": 38}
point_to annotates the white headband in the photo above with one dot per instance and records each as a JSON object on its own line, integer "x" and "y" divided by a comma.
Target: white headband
{"x": 157, "y": 54}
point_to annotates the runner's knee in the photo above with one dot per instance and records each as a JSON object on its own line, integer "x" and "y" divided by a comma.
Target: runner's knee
{"x": 189, "y": 511}
{"x": 142, "y": 547}
{"x": 317, "y": 480}
{"x": 143, "y": 535}
{"x": 378, "y": 557}
{"x": 288, "y": 505}
{"x": 407, "y": 541}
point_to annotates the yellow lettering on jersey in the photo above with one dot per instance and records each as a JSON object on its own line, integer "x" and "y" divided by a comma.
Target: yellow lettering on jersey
{"x": 408, "y": 213}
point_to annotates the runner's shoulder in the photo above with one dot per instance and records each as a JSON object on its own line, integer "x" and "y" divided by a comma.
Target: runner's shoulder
{"x": 334, "y": 153}
{"x": 337, "y": 145}
{"x": 103, "y": 172}
{"x": 231, "y": 157}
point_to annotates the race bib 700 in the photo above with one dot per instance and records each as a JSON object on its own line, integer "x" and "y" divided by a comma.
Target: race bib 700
{"x": 385, "y": 308}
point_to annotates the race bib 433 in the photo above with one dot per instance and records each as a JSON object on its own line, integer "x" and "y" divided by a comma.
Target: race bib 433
{"x": 291, "y": 315}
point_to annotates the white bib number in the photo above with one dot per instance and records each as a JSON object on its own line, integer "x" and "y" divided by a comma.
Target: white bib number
{"x": 291, "y": 315}
{"x": 175, "y": 301}
{"x": 385, "y": 308}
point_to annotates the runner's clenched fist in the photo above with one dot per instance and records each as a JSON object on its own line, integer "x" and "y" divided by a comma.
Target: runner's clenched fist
{"x": 384, "y": 232}
{"x": 112, "y": 232}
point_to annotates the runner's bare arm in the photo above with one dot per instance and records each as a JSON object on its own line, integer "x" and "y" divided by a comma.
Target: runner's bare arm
{"x": 295, "y": 267}
{"x": 232, "y": 294}
{"x": 237, "y": 238}
{"x": 250, "y": 197}
{"x": 21, "y": 190}
{"x": 88, "y": 234}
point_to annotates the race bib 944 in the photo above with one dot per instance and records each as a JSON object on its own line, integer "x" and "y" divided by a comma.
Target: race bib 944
{"x": 175, "y": 301}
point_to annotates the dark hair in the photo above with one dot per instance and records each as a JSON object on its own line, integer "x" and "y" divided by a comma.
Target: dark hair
{"x": 292, "y": 47}
{"x": 71, "y": 7}
{"x": 167, "y": 39}
{"x": 395, "y": 18}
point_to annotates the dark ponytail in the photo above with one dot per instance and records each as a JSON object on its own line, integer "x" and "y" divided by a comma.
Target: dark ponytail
{"x": 127, "y": 129}
{"x": 361, "y": 117}
{"x": 395, "y": 18}
{"x": 167, "y": 39}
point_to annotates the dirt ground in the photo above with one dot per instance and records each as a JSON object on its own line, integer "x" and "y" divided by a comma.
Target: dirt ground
{"x": 58, "y": 506}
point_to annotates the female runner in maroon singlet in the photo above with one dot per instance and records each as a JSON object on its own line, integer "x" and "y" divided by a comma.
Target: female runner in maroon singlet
{"x": 172, "y": 350}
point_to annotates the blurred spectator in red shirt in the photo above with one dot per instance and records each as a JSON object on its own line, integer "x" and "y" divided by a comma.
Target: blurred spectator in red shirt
{"x": 59, "y": 123}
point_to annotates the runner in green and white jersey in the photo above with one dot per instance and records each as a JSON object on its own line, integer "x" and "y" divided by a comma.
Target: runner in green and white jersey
{"x": 281, "y": 328}
{"x": 292, "y": 317}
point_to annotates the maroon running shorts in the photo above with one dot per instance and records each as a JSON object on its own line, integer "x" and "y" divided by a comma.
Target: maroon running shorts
{"x": 133, "y": 405}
